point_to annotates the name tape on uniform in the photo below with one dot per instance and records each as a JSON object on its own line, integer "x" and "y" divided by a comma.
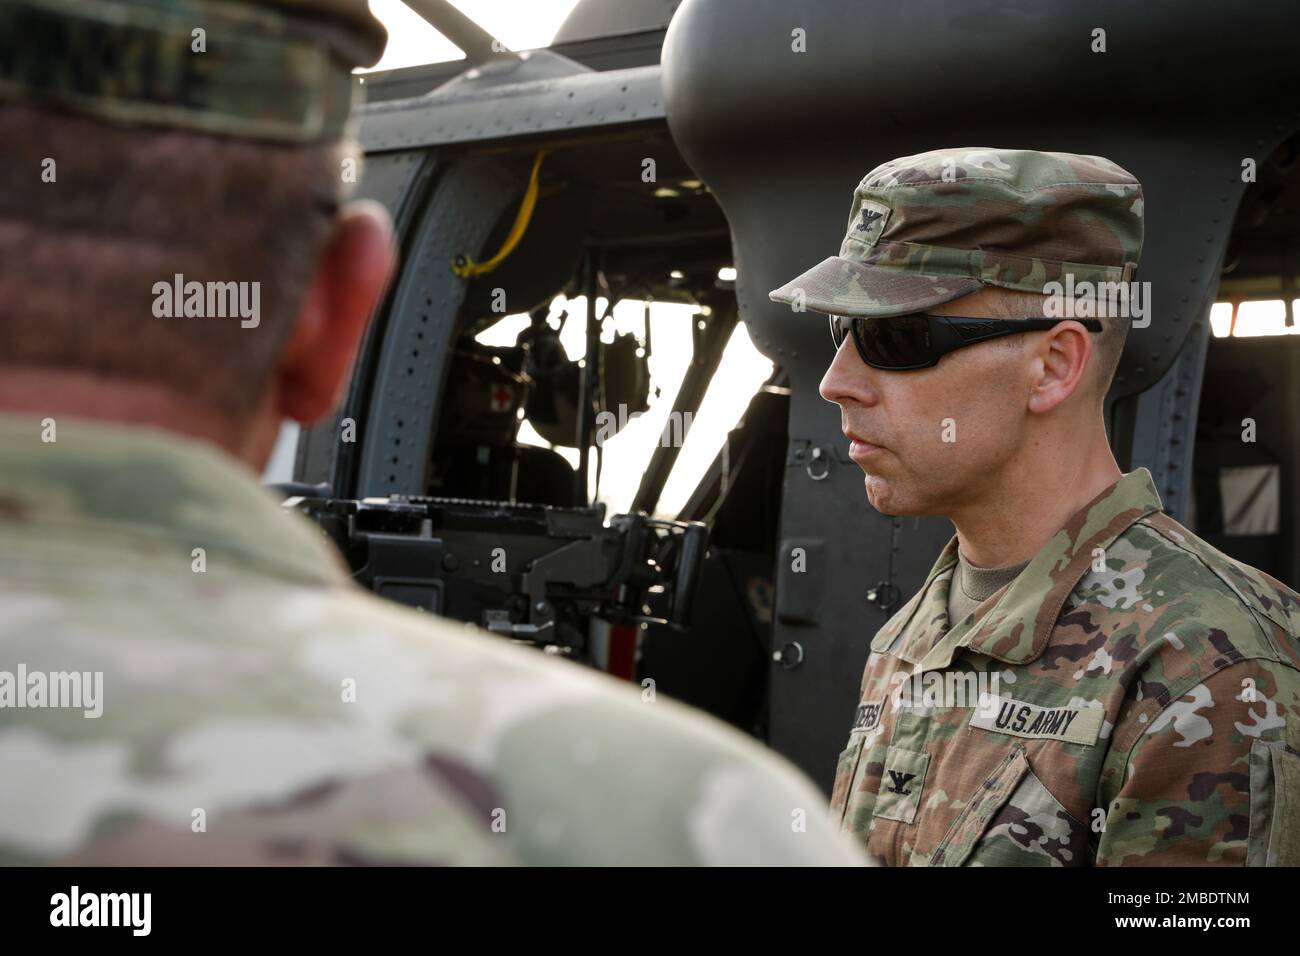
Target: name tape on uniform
{"x": 868, "y": 715}
{"x": 1005, "y": 715}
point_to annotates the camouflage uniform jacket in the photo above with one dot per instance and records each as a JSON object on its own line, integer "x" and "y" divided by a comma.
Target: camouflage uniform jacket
{"x": 257, "y": 707}
{"x": 1146, "y": 708}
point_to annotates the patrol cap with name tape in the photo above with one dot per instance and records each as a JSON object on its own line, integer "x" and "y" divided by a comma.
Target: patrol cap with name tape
{"x": 930, "y": 228}
{"x": 278, "y": 70}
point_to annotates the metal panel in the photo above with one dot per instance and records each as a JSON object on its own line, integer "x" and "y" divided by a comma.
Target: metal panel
{"x": 601, "y": 53}
{"x": 604, "y": 18}
{"x": 399, "y": 181}
{"x": 418, "y": 338}
{"x": 467, "y": 114}
{"x": 1165, "y": 422}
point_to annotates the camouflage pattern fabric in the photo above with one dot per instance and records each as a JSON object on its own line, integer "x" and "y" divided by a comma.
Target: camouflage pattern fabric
{"x": 276, "y": 70}
{"x": 1147, "y": 709}
{"x": 257, "y": 707}
{"x": 930, "y": 228}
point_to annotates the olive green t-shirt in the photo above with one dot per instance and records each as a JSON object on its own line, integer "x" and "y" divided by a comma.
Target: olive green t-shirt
{"x": 971, "y": 585}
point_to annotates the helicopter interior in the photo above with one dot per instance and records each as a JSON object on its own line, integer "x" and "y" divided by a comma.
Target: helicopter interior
{"x": 1248, "y": 422}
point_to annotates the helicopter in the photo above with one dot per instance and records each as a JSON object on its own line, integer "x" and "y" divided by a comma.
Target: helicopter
{"x": 700, "y": 154}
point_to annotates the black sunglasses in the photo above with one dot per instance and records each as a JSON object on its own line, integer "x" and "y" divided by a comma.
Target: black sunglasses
{"x": 903, "y": 342}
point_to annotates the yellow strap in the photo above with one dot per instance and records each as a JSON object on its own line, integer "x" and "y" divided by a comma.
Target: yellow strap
{"x": 467, "y": 268}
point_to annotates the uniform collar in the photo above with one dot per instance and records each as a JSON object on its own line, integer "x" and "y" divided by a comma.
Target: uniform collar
{"x": 1015, "y": 624}
{"x": 143, "y": 490}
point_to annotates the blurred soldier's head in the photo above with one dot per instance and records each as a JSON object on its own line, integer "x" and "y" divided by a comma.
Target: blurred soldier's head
{"x": 174, "y": 247}
{"x": 940, "y": 411}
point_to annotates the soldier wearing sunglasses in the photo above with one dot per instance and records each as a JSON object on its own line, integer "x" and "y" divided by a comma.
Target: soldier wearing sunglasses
{"x": 1080, "y": 680}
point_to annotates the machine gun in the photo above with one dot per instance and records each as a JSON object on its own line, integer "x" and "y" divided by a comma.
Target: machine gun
{"x": 533, "y": 573}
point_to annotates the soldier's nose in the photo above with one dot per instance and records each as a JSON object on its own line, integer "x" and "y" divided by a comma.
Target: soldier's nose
{"x": 848, "y": 379}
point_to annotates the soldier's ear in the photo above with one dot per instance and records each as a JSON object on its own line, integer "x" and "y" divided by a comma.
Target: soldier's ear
{"x": 1061, "y": 356}
{"x": 349, "y": 283}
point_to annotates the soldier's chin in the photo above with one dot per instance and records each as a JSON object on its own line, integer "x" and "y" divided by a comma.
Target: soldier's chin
{"x": 888, "y": 498}
{"x": 881, "y": 494}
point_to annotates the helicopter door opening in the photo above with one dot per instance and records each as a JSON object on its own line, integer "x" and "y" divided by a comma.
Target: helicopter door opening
{"x": 1246, "y": 462}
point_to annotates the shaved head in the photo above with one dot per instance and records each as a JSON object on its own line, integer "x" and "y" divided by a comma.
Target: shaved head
{"x": 126, "y": 208}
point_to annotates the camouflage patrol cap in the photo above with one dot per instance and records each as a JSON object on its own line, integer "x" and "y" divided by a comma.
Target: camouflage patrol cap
{"x": 262, "y": 69}
{"x": 930, "y": 228}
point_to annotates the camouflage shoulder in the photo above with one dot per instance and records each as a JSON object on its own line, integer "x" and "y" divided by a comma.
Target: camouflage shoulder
{"x": 433, "y": 812}
{"x": 1163, "y": 590}
{"x": 1170, "y": 612}
{"x": 588, "y": 769}
{"x": 300, "y": 723}
{"x": 1272, "y": 603}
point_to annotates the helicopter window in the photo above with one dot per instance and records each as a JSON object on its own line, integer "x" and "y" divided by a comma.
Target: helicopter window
{"x": 1254, "y": 318}
{"x": 504, "y": 332}
{"x": 742, "y": 371}
{"x": 629, "y": 436}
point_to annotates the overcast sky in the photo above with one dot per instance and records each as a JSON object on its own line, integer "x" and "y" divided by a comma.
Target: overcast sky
{"x": 519, "y": 24}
